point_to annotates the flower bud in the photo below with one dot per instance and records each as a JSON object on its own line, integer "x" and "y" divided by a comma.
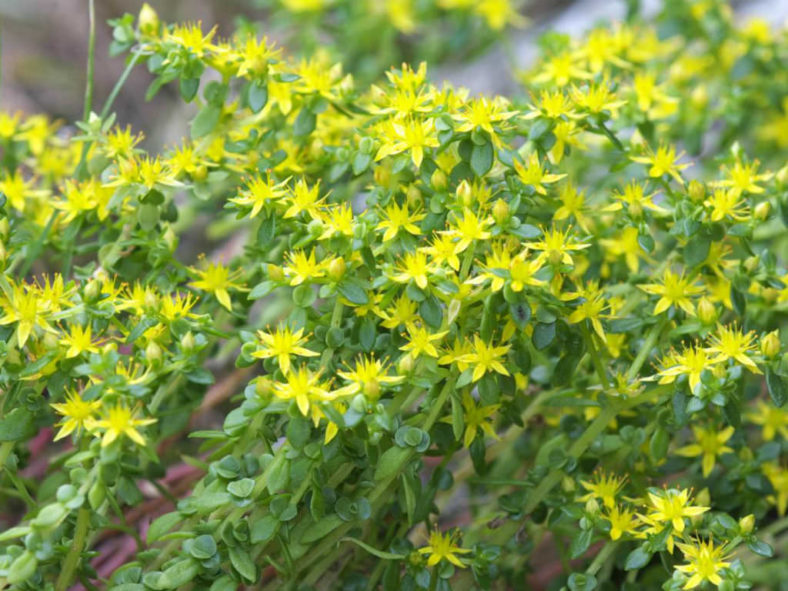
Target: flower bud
{"x": 568, "y": 484}
{"x": 405, "y": 364}
{"x": 500, "y": 211}
{"x": 703, "y": 498}
{"x": 359, "y": 403}
{"x": 4, "y": 228}
{"x": 148, "y": 20}
{"x": 170, "y": 238}
{"x": 762, "y": 210}
{"x": 275, "y": 272}
{"x": 438, "y": 180}
{"x": 770, "y": 344}
{"x": 187, "y": 342}
{"x": 382, "y": 176}
{"x": 707, "y": 312}
{"x": 413, "y": 197}
{"x": 150, "y": 300}
{"x": 262, "y": 387}
{"x": 200, "y": 172}
{"x": 153, "y": 352}
{"x": 592, "y": 506}
{"x": 696, "y": 190}
{"x": 92, "y": 290}
{"x": 751, "y": 263}
{"x": 337, "y": 268}
{"x": 372, "y": 389}
{"x": 782, "y": 175}
{"x": 465, "y": 194}
{"x": 747, "y": 523}
{"x": 315, "y": 228}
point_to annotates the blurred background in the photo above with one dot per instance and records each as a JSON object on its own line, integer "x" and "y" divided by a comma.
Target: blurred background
{"x": 44, "y": 45}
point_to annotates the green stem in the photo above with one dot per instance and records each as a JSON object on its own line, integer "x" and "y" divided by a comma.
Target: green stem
{"x": 119, "y": 84}
{"x": 645, "y": 350}
{"x": 5, "y": 450}
{"x": 592, "y": 350}
{"x": 581, "y": 444}
{"x": 91, "y": 60}
{"x": 601, "y": 558}
{"x": 74, "y": 553}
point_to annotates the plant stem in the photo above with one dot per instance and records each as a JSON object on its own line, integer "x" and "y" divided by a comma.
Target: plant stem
{"x": 119, "y": 84}
{"x": 601, "y": 558}
{"x": 592, "y": 350}
{"x": 72, "y": 559}
{"x": 91, "y": 60}
{"x": 648, "y": 345}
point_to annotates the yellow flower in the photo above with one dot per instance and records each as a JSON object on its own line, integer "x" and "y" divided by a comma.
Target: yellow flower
{"x": 410, "y": 135}
{"x": 675, "y": 290}
{"x": 690, "y": 362}
{"x": 76, "y": 412}
{"x": 772, "y": 418}
{"x": 605, "y": 487}
{"x": 531, "y": 173}
{"x": 367, "y": 377}
{"x": 443, "y": 249}
{"x": 79, "y": 340}
{"x": 556, "y": 246}
{"x": 303, "y": 267}
{"x": 414, "y": 266}
{"x": 304, "y": 387}
{"x": 671, "y": 506}
{"x": 485, "y": 358}
{"x": 468, "y": 229}
{"x": 119, "y": 421}
{"x": 729, "y": 342}
{"x": 259, "y": 192}
{"x": 217, "y": 279}
{"x": 304, "y": 199}
{"x": 704, "y": 563}
{"x": 522, "y": 272}
{"x": 420, "y": 341}
{"x": 727, "y": 203}
{"x": 484, "y": 113}
{"x": 664, "y": 161}
{"x": 28, "y": 309}
{"x": 399, "y": 218}
{"x": 743, "y": 178}
{"x": 282, "y": 344}
{"x": 591, "y": 308}
{"x": 402, "y": 311}
{"x": 443, "y": 547}
{"x": 476, "y": 418}
{"x": 778, "y": 476}
{"x": 622, "y": 521}
{"x": 710, "y": 444}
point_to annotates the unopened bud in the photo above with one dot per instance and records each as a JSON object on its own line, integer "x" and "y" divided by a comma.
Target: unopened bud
{"x": 359, "y": 403}
{"x": 50, "y": 340}
{"x": 703, "y": 498}
{"x": 4, "y": 228}
{"x": 747, "y": 523}
{"x": 751, "y": 263}
{"x": 337, "y": 268}
{"x": 150, "y": 299}
{"x": 405, "y": 364}
{"x": 782, "y": 175}
{"x": 696, "y": 191}
{"x": 315, "y": 228}
{"x": 200, "y": 172}
{"x": 414, "y": 197}
{"x": 770, "y": 344}
{"x": 153, "y": 352}
{"x": 500, "y": 211}
{"x": 92, "y": 290}
{"x": 262, "y": 387}
{"x": 382, "y": 176}
{"x": 170, "y": 238}
{"x": 148, "y": 20}
{"x": 568, "y": 484}
{"x": 592, "y": 506}
{"x": 188, "y": 342}
{"x": 372, "y": 389}
{"x": 762, "y": 210}
{"x": 275, "y": 273}
{"x": 465, "y": 194}
{"x": 707, "y": 311}
{"x": 438, "y": 180}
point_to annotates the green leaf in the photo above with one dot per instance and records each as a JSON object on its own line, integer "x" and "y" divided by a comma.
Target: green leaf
{"x": 697, "y": 249}
{"x": 162, "y": 525}
{"x": 241, "y": 488}
{"x": 543, "y": 336}
{"x": 188, "y": 88}
{"x": 304, "y": 123}
{"x": 374, "y": 551}
{"x": 761, "y": 548}
{"x": 353, "y": 291}
{"x": 321, "y": 529}
{"x": 17, "y": 425}
{"x": 203, "y": 547}
{"x": 243, "y": 564}
{"x": 482, "y": 158}
{"x": 14, "y": 532}
{"x": 39, "y": 364}
{"x": 50, "y": 516}
{"x": 776, "y": 386}
{"x": 391, "y": 462}
{"x": 178, "y": 574}
{"x": 638, "y": 558}
{"x": 148, "y": 216}
{"x": 581, "y": 582}
{"x": 264, "y": 529}
{"x": 580, "y": 543}
{"x": 205, "y": 121}
{"x": 22, "y": 568}
{"x": 258, "y": 96}
{"x": 431, "y": 311}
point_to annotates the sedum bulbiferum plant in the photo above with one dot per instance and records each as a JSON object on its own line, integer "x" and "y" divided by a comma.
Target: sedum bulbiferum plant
{"x": 435, "y": 340}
